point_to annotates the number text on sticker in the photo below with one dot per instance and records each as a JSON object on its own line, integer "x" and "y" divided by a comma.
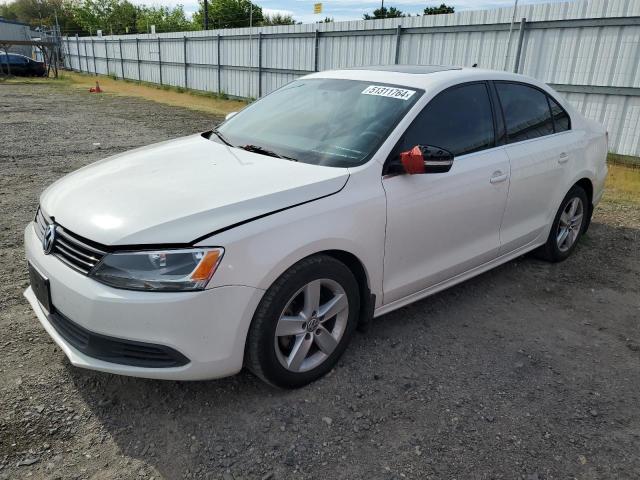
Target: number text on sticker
{"x": 391, "y": 92}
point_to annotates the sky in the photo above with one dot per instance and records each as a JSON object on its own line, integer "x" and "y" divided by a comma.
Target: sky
{"x": 302, "y": 10}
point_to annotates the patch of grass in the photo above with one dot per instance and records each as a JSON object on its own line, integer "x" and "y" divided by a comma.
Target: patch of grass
{"x": 622, "y": 185}
{"x": 624, "y": 159}
{"x": 62, "y": 79}
{"x": 209, "y": 102}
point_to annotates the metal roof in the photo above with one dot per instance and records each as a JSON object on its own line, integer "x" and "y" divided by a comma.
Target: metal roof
{"x": 35, "y": 42}
{"x": 13, "y": 22}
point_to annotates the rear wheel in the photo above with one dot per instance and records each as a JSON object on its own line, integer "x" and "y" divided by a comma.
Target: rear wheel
{"x": 568, "y": 226}
{"x": 303, "y": 323}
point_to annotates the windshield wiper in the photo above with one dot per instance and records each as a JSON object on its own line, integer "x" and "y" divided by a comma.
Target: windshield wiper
{"x": 264, "y": 151}
{"x": 221, "y": 137}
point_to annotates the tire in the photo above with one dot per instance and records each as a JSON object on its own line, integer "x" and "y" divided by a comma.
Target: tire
{"x": 280, "y": 328}
{"x": 556, "y": 249}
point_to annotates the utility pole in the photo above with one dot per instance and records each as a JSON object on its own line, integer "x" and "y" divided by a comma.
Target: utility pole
{"x": 250, "y": 47}
{"x": 55, "y": 13}
{"x": 513, "y": 19}
{"x": 57, "y": 38}
{"x": 206, "y": 14}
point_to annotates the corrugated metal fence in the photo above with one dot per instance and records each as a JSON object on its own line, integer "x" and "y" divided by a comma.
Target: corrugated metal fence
{"x": 587, "y": 49}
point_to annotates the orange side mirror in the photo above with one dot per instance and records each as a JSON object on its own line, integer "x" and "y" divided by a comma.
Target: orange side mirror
{"x": 413, "y": 161}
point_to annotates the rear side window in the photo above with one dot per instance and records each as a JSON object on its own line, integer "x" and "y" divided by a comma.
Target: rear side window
{"x": 13, "y": 59}
{"x": 526, "y": 111}
{"x": 561, "y": 120}
{"x": 459, "y": 119}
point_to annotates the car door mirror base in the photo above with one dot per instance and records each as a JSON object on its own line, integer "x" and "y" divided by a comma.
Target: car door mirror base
{"x": 423, "y": 159}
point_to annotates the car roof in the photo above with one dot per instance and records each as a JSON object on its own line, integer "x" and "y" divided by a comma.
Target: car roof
{"x": 426, "y": 77}
{"x": 413, "y": 69}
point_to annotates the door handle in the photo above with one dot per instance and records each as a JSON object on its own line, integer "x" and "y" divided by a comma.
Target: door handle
{"x": 563, "y": 158}
{"x": 498, "y": 177}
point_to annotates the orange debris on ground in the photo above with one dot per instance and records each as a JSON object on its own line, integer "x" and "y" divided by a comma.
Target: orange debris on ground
{"x": 96, "y": 89}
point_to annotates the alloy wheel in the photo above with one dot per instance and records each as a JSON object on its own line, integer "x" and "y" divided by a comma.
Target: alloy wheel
{"x": 311, "y": 325}
{"x": 570, "y": 224}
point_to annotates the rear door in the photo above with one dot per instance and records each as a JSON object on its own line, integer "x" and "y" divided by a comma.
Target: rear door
{"x": 442, "y": 224}
{"x": 19, "y": 65}
{"x": 539, "y": 147}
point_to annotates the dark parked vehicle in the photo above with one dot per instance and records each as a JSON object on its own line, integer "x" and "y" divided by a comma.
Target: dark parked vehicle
{"x": 16, "y": 64}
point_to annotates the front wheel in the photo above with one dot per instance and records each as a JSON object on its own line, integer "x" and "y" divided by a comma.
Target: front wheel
{"x": 568, "y": 226}
{"x": 303, "y": 323}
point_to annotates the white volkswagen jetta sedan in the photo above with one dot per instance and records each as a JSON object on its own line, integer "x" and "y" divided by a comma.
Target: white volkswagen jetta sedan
{"x": 339, "y": 197}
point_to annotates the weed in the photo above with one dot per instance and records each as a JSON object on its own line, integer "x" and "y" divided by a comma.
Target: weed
{"x": 623, "y": 184}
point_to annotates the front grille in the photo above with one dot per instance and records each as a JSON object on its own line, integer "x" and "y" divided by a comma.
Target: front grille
{"x": 116, "y": 350}
{"x": 69, "y": 248}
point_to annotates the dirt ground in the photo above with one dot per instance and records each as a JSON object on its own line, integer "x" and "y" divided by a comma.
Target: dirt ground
{"x": 531, "y": 371}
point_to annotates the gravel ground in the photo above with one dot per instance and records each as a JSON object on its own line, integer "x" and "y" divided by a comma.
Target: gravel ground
{"x": 530, "y": 371}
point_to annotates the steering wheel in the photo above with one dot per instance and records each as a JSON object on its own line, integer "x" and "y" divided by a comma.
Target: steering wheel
{"x": 370, "y": 135}
{"x": 373, "y": 132}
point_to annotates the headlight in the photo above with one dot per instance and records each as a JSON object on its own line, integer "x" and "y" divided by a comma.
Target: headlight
{"x": 163, "y": 270}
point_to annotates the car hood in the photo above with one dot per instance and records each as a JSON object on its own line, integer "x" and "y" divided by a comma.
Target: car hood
{"x": 181, "y": 190}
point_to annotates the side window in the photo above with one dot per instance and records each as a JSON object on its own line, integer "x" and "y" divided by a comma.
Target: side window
{"x": 526, "y": 111}
{"x": 459, "y": 120}
{"x": 16, "y": 60}
{"x": 561, "y": 120}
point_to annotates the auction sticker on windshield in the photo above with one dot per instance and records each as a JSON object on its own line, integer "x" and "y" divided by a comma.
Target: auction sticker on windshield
{"x": 392, "y": 92}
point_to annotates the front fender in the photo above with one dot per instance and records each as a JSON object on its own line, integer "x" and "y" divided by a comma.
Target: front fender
{"x": 352, "y": 221}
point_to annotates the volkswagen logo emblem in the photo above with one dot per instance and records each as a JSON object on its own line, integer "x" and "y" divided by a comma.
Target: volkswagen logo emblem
{"x": 49, "y": 238}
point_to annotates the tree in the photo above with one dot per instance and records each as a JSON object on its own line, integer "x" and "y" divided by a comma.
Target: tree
{"x": 121, "y": 16}
{"x": 443, "y": 8}
{"x": 110, "y": 16}
{"x": 85, "y": 17}
{"x": 384, "y": 12}
{"x": 42, "y": 13}
{"x": 228, "y": 14}
{"x": 326, "y": 20}
{"x": 8, "y": 11}
{"x": 278, "y": 19}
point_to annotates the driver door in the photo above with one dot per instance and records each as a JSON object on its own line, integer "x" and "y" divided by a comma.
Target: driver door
{"x": 440, "y": 225}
